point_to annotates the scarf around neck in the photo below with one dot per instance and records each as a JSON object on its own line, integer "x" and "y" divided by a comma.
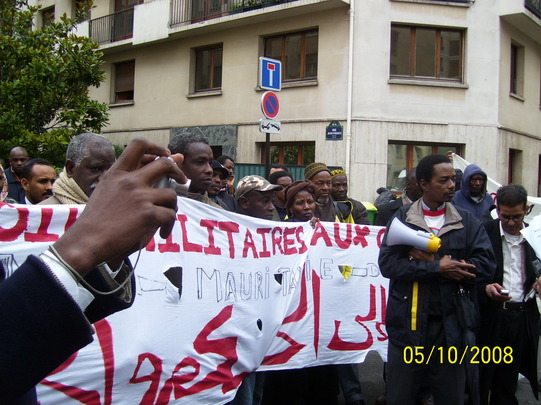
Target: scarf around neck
{"x": 67, "y": 191}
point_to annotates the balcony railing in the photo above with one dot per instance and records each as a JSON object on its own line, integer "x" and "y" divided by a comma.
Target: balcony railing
{"x": 534, "y": 6}
{"x": 112, "y": 27}
{"x": 190, "y": 11}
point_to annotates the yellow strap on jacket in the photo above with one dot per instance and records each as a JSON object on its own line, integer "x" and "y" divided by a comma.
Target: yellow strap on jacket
{"x": 414, "y": 305}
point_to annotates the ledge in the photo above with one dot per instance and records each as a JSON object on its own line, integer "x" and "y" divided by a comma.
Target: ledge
{"x": 438, "y": 2}
{"x": 517, "y": 97}
{"x": 290, "y": 85}
{"x": 205, "y": 94}
{"x": 121, "y": 104}
{"x": 429, "y": 83}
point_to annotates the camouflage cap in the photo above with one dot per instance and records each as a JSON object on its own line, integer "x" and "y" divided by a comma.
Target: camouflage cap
{"x": 253, "y": 182}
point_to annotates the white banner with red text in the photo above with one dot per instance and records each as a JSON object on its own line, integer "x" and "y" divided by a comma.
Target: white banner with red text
{"x": 223, "y": 296}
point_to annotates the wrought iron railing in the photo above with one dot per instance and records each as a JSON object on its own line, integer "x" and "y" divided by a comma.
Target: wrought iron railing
{"x": 534, "y": 6}
{"x": 112, "y": 27}
{"x": 189, "y": 11}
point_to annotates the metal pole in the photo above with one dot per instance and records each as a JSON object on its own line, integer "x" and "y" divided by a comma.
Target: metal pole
{"x": 267, "y": 155}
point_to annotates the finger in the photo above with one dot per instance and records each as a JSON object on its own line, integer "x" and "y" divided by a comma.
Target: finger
{"x": 132, "y": 156}
{"x": 465, "y": 265}
{"x": 466, "y": 274}
{"x": 160, "y": 168}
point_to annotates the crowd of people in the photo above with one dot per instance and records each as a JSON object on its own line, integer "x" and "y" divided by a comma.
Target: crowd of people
{"x": 477, "y": 291}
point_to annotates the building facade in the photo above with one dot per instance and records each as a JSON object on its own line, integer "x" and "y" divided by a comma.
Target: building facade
{"x": 404, "y": 78}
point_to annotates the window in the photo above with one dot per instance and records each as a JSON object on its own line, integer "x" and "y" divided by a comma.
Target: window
{"x": 291, "y": 153}
{"x": 401, "y": 157}
{"x": 517, "y": 70}
{"x": 126, "y": 4}
{"x": 124, "y": 81}
{"x": 514, "y": 169}
{"x": 208, "y": 68}
{"x": 426, "y": 53}
{"x": 539, "y": 176}
{"x": 47, "y": 16}
{"x": 297, "y": 52}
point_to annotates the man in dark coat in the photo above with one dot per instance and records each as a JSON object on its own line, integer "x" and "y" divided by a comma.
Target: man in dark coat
{"x": 411, "y": 193}
{"x": 509, "y": 311}
{"x": 17, "y": 159}
{"x": 422, "y": 314}
{"x": 473, "y": 195}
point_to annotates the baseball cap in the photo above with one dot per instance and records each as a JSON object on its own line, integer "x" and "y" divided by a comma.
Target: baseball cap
{"x": 253, "y": 182}
{"x": 218, "y": 166}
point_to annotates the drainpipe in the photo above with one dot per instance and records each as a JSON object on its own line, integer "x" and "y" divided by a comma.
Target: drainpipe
{"x": 347, "y": 167}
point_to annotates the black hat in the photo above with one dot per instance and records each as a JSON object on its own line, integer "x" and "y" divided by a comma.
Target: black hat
{"x": 218, "y": 166}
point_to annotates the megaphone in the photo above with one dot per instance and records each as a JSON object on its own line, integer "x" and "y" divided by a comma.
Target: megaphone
{"x": 400, "y": 234}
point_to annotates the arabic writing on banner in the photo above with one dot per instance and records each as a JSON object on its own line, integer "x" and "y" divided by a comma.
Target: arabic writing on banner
{"x": 223, "y": 296}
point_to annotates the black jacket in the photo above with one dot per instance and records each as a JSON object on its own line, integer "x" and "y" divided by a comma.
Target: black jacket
{"x": 386, "y": 211}
{"x": 491, "y": 324}
{"x": 416, "y": 281}
{"x": 41, "y": 326}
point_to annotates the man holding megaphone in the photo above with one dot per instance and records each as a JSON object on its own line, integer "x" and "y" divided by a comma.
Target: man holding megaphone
{"x": 423, "y": 320}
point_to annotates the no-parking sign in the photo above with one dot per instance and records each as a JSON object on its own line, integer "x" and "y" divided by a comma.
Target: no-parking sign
{"x": 270, "y": 104}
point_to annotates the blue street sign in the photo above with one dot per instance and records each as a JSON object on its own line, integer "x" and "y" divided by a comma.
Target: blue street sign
{"x": 270, "y": 74}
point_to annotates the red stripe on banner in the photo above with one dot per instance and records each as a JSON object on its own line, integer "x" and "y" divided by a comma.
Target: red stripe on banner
{"x": 316, "y": 291}
{"x": 302, "y": 308}
{"x": 286, "y": 355}
{"x": 105, "y": 339}
{"x": 83, "y": 396}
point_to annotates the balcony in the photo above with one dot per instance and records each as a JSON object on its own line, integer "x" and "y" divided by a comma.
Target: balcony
{"x": 524, "y": 16}
{"x": 112, "y": 27}
{"x": 192, "y": 11}
{"x": 159, "y": 20}
{"x": 534, "y": 6}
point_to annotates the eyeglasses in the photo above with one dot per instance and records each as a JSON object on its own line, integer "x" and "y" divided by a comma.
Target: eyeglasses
{"x": 515, "y": 218}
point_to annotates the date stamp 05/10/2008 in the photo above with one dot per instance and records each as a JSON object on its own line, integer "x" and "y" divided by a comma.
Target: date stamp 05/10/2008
{"x": 454, "y": 355}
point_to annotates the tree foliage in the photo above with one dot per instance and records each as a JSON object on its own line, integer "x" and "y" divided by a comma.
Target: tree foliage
{"x": 45, "y": 74}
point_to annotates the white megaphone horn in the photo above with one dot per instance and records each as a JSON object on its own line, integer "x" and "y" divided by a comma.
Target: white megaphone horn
{"x": 400, "y": 234}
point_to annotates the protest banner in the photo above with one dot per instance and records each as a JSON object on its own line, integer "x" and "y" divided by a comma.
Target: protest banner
{"x": 223, "y": 296}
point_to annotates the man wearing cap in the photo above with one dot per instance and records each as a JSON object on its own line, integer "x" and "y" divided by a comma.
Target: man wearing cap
{"x": 349, "y": 210}
{"x": 254, "y": 196}
{"x": 319, "y": 174}
{"x": 219, "y": 178}
{"x": 284, "y": 179}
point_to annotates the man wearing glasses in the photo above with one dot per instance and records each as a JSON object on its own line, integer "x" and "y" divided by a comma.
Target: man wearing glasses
{"x": 509, "y": 314}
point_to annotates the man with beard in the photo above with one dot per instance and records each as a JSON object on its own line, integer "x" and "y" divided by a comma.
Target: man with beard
{"x": 320, "y": 175}
{"x": 88, "y": 157}
{"x": 38, "y": 177}
{"x": 17, "y": 159}
{"x": 425, "y": 290}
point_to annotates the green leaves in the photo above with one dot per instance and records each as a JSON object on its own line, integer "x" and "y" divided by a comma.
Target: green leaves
{"x": 44, "y": 78}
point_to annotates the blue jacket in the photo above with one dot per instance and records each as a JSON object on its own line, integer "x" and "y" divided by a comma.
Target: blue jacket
{"x": 414, "y": 283}
{"x": 463, "y": 197}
